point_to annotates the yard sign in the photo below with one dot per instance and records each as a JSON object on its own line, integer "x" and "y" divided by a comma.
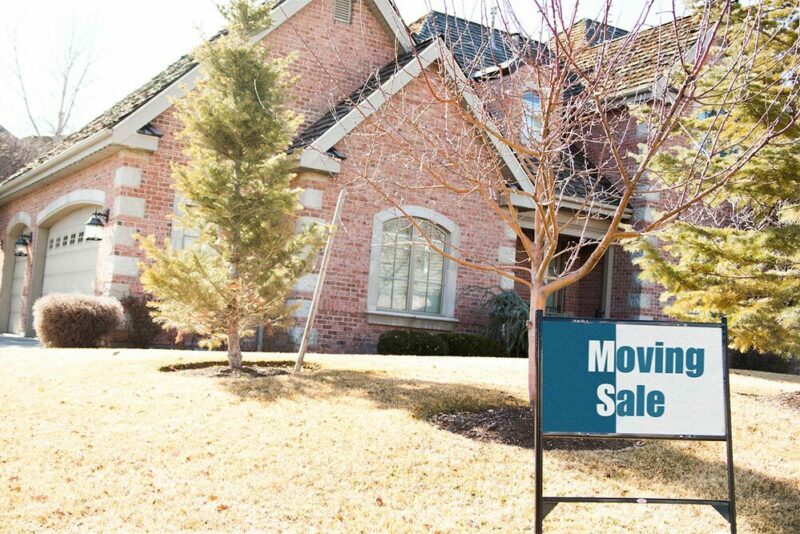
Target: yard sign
{"x": 632, "y": 379}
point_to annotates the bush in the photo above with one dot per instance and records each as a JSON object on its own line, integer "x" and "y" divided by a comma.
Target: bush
{"x": 407, "y": 342}
{"x": 508, "y": 322}
{"x": 770, "y": 363}
{"x": 78, "y": 321}
{"x": 142, "y": 330}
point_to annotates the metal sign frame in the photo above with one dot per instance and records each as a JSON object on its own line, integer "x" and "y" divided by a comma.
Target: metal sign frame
{"x": 546, "y": 504}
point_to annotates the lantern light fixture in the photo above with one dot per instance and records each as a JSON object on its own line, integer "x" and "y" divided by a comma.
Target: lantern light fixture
{"x": 22, "y": 245}
{"x": 94, "y": 226}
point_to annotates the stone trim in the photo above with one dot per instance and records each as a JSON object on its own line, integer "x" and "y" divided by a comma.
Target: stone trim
{"x": 129, "y": 207}
{"x": 79, "y": 197}
{"x": 408, "y": 320}
{"x": 128, "y": 177}
{"x": 20, "y": 217}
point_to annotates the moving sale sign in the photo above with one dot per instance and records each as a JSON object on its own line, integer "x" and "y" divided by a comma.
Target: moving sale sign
{"x": 632, "y": 378}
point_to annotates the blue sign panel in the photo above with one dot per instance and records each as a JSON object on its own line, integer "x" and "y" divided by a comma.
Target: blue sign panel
{"x": 648, "y": 379}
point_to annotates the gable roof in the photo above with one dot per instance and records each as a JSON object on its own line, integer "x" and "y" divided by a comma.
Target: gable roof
{"x": 177, "y": 72}
{"x": 480, "y": 49}
{"x": 641, "y": 58}
{"x": 474, "y": 46}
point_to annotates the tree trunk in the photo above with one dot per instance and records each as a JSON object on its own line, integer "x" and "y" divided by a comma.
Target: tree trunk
{"x": 234, "y": 348}
{"x": 538, "y": 300}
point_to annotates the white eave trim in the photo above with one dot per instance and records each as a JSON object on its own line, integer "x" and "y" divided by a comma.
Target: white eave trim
{"x": 316, "y": 161}
{"x": 395, "y": 24}
{"x": 433, "y": 52}
{"x": 574, "y": 203}
{"x": 74, "y": 155}
{"x": 70, "y": 156}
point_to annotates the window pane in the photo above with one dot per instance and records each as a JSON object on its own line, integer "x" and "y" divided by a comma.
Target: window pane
{"x": 428, "y": 270}
{"x": 532, "y": 109}
{"x": 395, "y": 264}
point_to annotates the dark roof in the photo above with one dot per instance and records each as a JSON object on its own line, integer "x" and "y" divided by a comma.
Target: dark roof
{"x": 313, "y": 131}
{"x": 474, "y": 46}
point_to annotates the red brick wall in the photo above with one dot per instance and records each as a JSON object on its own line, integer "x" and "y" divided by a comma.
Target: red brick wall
{"x": 331, "y": 59}
{"x": 342, "y": 324}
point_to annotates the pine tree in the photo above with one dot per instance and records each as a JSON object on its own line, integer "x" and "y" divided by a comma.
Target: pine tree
{"x": 741, "y": 257}
{"x": 236, "y": 190}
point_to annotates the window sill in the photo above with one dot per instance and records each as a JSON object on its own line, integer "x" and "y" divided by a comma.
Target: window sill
{"x": 410, "y": 320}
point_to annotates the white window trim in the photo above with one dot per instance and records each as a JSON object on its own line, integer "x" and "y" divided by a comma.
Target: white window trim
{"x": 450, "y": 277}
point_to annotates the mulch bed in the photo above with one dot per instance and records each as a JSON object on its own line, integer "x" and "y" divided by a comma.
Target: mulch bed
{"x": 514, "y": 426}
{"x": 220, "y": 369}
{"x": 790, "y": 400}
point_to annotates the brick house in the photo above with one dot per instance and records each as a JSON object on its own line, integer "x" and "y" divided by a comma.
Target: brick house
{"x": 121, "y": 162}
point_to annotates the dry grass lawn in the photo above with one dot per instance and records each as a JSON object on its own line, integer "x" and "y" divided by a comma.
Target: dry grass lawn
{"x": 104, "y": 441}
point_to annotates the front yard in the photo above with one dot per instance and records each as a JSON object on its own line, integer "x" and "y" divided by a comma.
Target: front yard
{"x": 105, "y": 441}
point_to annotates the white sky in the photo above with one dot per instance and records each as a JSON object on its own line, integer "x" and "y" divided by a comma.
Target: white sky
{"x": 133, "y": 41}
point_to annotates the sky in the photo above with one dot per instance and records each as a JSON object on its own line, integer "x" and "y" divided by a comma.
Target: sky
{"x": 133, "y": 41}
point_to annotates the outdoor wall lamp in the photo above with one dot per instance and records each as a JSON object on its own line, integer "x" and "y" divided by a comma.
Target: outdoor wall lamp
{"x": 22, "y": 245}
{"x": 94, "y": 226}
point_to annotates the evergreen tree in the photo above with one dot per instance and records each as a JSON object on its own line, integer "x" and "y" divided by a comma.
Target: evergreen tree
{"x": 237, "y": 194}
{"x": 740, "y": 257}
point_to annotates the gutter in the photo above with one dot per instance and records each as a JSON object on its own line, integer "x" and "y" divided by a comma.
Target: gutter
{"x": 26, "y": 179}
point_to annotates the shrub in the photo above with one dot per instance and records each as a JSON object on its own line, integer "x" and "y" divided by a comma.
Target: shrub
{"x": 142, "y": 330}
{"x": 770, "y": 363}
{"x": 79, "y": 321}
{"x": 472, "y": 345}
{"x": 508, "y": 322}
{"x": 407, "y": 342}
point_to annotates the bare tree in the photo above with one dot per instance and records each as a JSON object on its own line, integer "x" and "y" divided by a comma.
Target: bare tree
{"x": 14, "y": 152}
{"x": 50, "y": 113}
{"x": 541, "y": 126}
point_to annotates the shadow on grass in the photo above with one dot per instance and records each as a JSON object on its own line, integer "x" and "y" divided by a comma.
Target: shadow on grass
{"x": 419, "y": 397}
{"x": 769, "y": 504}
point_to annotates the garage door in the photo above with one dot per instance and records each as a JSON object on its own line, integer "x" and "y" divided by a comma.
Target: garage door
{"x": 71, "y": 262}
{"x": 20, "y": 263}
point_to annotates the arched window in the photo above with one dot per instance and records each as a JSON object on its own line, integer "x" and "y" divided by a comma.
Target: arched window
{"x": 412, "y": 273}
{"x": 410, "y": 283}
{"x": 532, "y": 110}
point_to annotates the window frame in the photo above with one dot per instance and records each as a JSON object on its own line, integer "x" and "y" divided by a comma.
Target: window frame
{"x": 416, "y": 242}
{"x": 452, "y": 232}
{"x": 530, "y": 115}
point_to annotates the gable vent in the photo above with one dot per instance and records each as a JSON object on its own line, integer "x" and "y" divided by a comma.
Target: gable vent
{"x": 343, "y": 10}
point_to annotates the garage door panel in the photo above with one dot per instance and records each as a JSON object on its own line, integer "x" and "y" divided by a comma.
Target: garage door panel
{"x": 71, "y": 262}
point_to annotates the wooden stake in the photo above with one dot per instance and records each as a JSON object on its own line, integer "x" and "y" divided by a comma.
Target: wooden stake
{"x": 323, "y": 270}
